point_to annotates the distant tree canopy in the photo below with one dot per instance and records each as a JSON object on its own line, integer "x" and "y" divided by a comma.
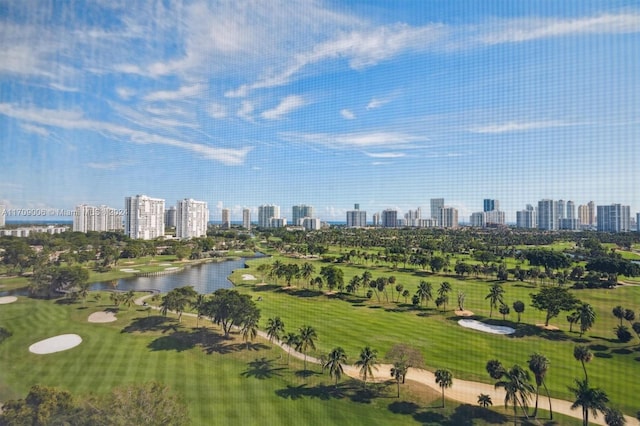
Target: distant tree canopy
{"x": 553, "y": 300}
{"x": 613, "y": 265}
{"x": 548, "y": 259}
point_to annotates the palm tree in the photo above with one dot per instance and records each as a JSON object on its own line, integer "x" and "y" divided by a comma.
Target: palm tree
{"x": 307, "y": 270}
{"x": 334, "y": 362}
{"x": 444, "y": 379}
{"x": 424, "y": 292}
{"x": 250, "y": 328}
{"x": 495, "y": 369}
{"x": 128, "y": 298}
{"x": 495, "y": 296}
{"x": 83, "y": 291}
{"x": 398, "y": 372}
{"x": 199, "y": 304}
{"x": 539, "y": 364}
{"x": 443, "y": 294}
{"x": 590, "y": 399}
{"x": 586, "y": 317}
{"x": 584, "y": 355}
{"x": 618, "y": 312}
{"x": 518, "y": 390}
{"x": 367, "y": 363}
{"x": 484, "y": 400}
{"x": 291, "y": 340}
{"x": 572, "y": 318}
{"x": 275, "y": 326}
{"x": 307, "y": 339}
{"x": 613, "y": 417}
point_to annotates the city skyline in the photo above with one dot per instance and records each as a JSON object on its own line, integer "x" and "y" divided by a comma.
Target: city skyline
{"x": 320, "y": 103}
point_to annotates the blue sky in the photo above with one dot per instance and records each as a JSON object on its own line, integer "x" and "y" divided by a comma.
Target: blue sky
{"x": 386, "y": 104}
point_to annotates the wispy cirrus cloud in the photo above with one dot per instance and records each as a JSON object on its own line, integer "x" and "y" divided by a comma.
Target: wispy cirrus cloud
{"x": 376, "y": 103}
{"x": 519, "y": 126}
{"x": 386, "y": 154}
{"x": 359, "y": 140}
{"x": 347, "y": 114}
{"x": 287, "y": 105}
{"x": 76, "y": 120}
{"x": 172, "y": 95}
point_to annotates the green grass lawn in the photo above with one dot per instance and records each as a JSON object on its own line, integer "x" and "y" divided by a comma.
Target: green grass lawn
{"x": 355, "y": 322}
{"x": 222, "y": 381}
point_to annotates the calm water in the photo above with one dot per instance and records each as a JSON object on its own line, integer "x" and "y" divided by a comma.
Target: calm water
{"x": 205, "y": 278}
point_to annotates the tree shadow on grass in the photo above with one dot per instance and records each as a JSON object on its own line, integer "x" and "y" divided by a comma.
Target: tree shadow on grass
{"x": 602, "y": 355}
{"x": 267, "y": 287}
{"x": 465, "y": 414}
{"x": 403, "y": 407}
{"x": 323, "y": 392}
{"x": 430, "y": 417}
{"x": 305, "y": 292}
{"x": 152, "y": 323}
{"x": 261, "y": 368}
{"x": 306, "y": 373}
{"x": 525, "y": 330}
{"x": 622, "y": 351}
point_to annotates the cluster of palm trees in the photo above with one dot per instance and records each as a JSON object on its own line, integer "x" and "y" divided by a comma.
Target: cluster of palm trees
{"x": 584, "y": 315}
{"x": 622, "y": 331}
{"x": 122, "y": 298}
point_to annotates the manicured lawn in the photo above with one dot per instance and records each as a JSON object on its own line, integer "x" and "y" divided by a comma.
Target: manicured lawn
{"x": 356, "y": 322}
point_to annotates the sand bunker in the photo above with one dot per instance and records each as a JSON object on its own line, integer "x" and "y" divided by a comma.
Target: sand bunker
{"x": 7, "y": 299}
{"x": 55, "y": 344}
{"x": 102, "y": 316}
{"x": 465, "y": 313}
{"x": 487, "y": 328}
{"x": 548, "y": 327}
{"x": 164, "y": 264}
{"x": 173, "y": 268}
{"x": 248, "y": 277}
{"x": 130, "y": 270}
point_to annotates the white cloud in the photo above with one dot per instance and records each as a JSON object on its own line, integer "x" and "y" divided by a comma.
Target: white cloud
{"x": 172, "y": 95}
{"x": 217, "y": 110}
{"x": 287, "y": 105}
{"x": 125, "y": 92}
{"x": 107, "y": 166}
{"x": 347, "y": 114}
{"x": 515, "y": 126}
{"x": 386, "y": 154}
{"x": 76, "y": 120}
{"x": 376, "y": 103}
{"x": 357, "y": 140}
{"x": 36, "y": 130}
{"x": 246, "y": 110}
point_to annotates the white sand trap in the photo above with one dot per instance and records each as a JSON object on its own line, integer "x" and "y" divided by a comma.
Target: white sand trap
{"x": 102, "y": 316}
{"x": 55, "y": 344}
{"x": 248, "y": 277}
{"x": 465, "y": 313}
{"x": 7, "y": 299}
{"x": 487, "y": 328}
{"x": 164, "y": 264}
{"x": 173, "y": 268}
{"x": 130, "y": 270}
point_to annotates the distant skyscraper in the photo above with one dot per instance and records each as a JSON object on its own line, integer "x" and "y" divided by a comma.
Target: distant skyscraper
{"x": 490, "y": 205}
{"x": 613, "y": 218}
{"x": 547, "y": 215}
{"x": 3, "y": 214}
{"x": 448, "y": 217}
{"x": 299, "y": 212}
{"x": 311, "y": 223}
{"x": 226, "y": 218}
{"x": 246, "y": 218}
{"x": 376, "y": 219}
{"x": 478, "y": 220}
{"x": 356, "y": 218}
{"x": 638, "y": 222}
{"x": 266, "y": 213}
{"x": 526, "y": 218}
{"x": 436, "y": 205}
{"x": 412, "y": 217}
{"x": 144, "y": 217}
{"x": 570, "y": 212}
{"x": 99, "y": 219}
{"x": 560, "y": 209}
{"x": 389, "y": 218}
{"x": 170, "y": 217}
{"x": 192, "y": 218}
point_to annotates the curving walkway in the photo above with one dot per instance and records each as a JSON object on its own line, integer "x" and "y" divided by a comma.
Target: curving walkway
{"x": 463, "y": 391}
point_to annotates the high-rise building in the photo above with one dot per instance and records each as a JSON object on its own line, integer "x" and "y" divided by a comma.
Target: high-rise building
{"x": 278, "y": 222}
{"x": 560, "y": 209}
{"x": 356, "y": 218}
{"x": 143, "y": 217}
{"x": 101, "y": 219}
{"x": 246, "y": 218}
{"x": 570, "y": 211}
{"x": 299, "y": 212}
{"x": 376, "y": 219}
{"x": 478, "y": 219}
{"x": 311, "y": 223}
{"x": 266, "y": 213}
{"x": 448, "y": 217}
{"x": 436, "y": 205}
{"x": 613, "y": 218}
{"x": 3, "y": 214}
{"x": 547, "y": 215}
{"x": 638, "y": 222}
{"x": 226, "y": 218}
{"x": 192, "y": 218}
{"x": 587, "y": 214}
{"x": 526, "y": 218}
{"x": 495, "y": 217}
{"x": 490, "y": 205}
{"x": 389, "y": 218}
{"x": 170, "y": 217}
{"x": 412, "y": 218}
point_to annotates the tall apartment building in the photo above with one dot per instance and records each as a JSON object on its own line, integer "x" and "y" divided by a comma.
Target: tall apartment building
{"x": 100, "y": 219}
{"x": 143, "y": 217}
{"x": 413, "y": 217}
{"x": 356, "y": 218}
{"x": 448, "y": 217}
{"x": 527, "y": 218}
{"x": 638, "y": 222}
{"x": 587, "y": 214}
{"x": 389, "y": 218}
{"x": 170, "y": 217}
{"x": 376, "y": 219}
{"x": 226, "y": 218}
{"x": 266, "y": 213}
{"x": 570, "y": 212}
{"x": 192, "y": 218}
{"x": 478, "y": 219}
{"x": 613, "y": 218}
{"x": 277, "y": 222}
{"x": 311, "y": 223}
{"x": 436, "y": 205}
{"x": 246, "y": 219}
{"x": 547, "y": 215}
{"x": 489, "y": 205}
{"x": 560, "y": 209}
{"x": 299, "y": 212}
{"x": 3, "y": 214}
